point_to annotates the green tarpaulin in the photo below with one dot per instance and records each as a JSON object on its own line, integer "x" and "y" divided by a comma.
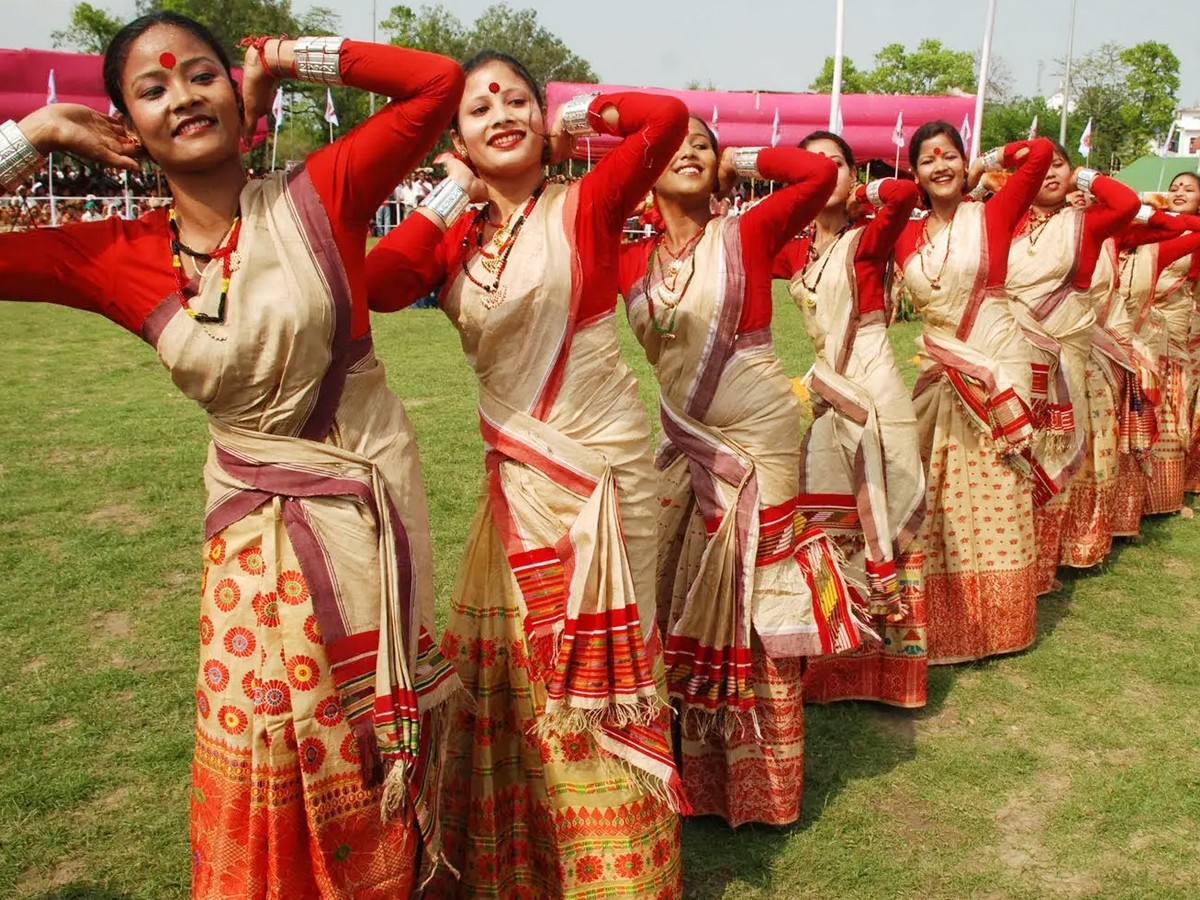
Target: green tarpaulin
{"x": 1153, "y": 173}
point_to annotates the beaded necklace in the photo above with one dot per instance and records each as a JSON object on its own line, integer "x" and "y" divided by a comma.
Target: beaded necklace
{"x": 669, "y": 295}
{"x": 1035, "y": 225}
{"x": 936, "y": 281}
{"x": 226, "y": 251}
{"x": 503, "y": 240}
{"x": 809, "y": 291}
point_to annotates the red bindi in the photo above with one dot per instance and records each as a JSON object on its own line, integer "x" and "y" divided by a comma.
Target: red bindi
{"x": 494, "y": 88}
{"x": 937, "y": 151}
{"x": 167, "y": 60}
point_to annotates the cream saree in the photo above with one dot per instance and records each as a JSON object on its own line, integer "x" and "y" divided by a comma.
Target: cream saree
{"x": 319, "y": 681}
{"x": 745, "y": 585}
{"x": 1173, "y": 299}
{"x": 560, "y": 781}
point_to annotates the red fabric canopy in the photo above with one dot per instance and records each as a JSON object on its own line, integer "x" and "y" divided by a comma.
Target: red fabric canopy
{"x": 25, "y": 79}
{"x": 746, "y": 118}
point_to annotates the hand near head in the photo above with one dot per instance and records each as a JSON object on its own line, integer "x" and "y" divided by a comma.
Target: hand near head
{"x": 78, "y": 129}
{"x": 459, "y": 172}
{"x": 258, "y": 87}
{"x": 727, "y": 176}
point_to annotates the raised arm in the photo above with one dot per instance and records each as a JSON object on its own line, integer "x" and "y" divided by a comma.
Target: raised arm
{"x": 408, "y": 264}
{"x": 653, "y": 127}
{"x": 1177, "y": 247}
{"x": 791, "y": 258}
{"x": 1150, "y": 226}
{"x": 1031, "y": 160}
{"x": 894, "y": 200}
{"x": 772, "y": 222}
{"x": 1114, "y": 208}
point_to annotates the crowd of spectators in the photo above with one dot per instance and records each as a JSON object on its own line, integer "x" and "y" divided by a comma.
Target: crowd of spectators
{"x": 82, "y": 194}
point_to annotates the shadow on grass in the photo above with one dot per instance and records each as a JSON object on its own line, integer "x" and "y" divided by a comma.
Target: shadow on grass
{"x": 83, "y": 891}
{"x": 844, "y": 743}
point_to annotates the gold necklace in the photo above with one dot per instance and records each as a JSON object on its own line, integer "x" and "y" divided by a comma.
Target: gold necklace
{"x": 1035, "y": 225}
{"x": 936, "y": 281}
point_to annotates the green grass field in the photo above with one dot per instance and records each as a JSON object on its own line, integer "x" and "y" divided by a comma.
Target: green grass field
{"x": 1072, "y": 770}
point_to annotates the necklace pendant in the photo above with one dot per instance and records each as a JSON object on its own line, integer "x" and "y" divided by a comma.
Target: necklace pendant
{"x": 1031, "y": 250}
{"x": 675, "y": 266}
{"x": 235, "y": 261}
{"x": 936, "y": 284}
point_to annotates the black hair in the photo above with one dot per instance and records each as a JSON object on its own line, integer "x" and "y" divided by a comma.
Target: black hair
{"x": 1061, "y": 151}
{"x": 932, "y": 130}
{"x": 814, "y": 136}
{"x": 1194, "y": 175}
{"x": 712, "y": 136}
{"x": 484, "y": 57}
{"x": 117, "y": 51}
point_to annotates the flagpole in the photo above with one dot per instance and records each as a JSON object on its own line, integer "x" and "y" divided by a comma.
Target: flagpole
{"x": 1066, "y": 88}
{"x": 897, "y": 175}
{"x": 275, "y": 146}
{"x": 53, "y": 202}
{"x": 835, "y": 98}
{"x": 981, "y": 89}
{"x": 374, "y": 20}
{"x": 128, "y": 199}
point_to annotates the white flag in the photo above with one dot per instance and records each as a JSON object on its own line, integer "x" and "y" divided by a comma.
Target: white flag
{"x": 112, "y": 108}
{"x": 277, "y": 107}
{"x": 51, "y": 90}
{"x": 1033, "y": 128}
{"x": 330, "y": 110}
{"x": 713, "y": 123}
{"x": 775, "y": 134}
{"x": 965, "y": 131}
{"x": 898, "y": 131}
{"x": 1166, "y": 147}
{"x": 1085, "y": 141}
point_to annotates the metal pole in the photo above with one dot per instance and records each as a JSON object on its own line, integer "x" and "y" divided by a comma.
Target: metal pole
{"x": 1066, "y": 88}
{"x": 53, "y": 202}
{"x": 835, "y": 99}
{"x": 981, "y": 88}
{"x": 374, "y": 19}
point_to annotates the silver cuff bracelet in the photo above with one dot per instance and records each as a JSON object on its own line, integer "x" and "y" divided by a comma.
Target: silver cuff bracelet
{"x": 318, "y": 59}
{"x": 1084, "y": 179}
{"x": 448, "y": 200}
{"x": 576, "y": 120}
{"x": 873, "y": 192}
{"x": 745, "y": 162}
{"x": 18, "y": 157}
{"x": 993, "y": 160}
{"x": 1144, "y": 213}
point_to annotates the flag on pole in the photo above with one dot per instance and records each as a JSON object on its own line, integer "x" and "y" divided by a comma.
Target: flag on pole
{"x": 775, "y": 134}
{"x": 1165, "y": 151}
{"x": 965, "y": 131}
{"x": 51, "y": 90}
{"x": 1033, "y": 128}
{"x": 330, "y": 110}
{"x": 714, "y": 123}
{"x": 1085, "y": 140}
{"x": 277, "y": 107}
{"x": 898, "y": 131}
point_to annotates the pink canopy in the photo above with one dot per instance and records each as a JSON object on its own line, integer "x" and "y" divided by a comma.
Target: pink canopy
{"x": 25, "y": 79}
{"x": 746, "y": 118}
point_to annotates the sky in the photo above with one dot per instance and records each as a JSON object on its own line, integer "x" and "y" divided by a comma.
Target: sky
{"x": 775, "y": 45}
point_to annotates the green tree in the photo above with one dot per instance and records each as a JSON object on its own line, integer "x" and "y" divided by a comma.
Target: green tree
{"x": 90, "y": 30}
{"x": 1151, "y": 89}
{"x": 853, "y": 80}
{"x": 932, "y": 68}
{"x": 433, "y": 28}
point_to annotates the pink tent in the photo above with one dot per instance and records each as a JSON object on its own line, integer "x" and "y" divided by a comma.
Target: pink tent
{"x": 25, "y": 77}
{"x": 746, "y": 118}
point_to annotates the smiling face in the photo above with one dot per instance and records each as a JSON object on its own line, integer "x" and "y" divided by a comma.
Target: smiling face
{"x": 845, "y": 179}
{"x": 941, "y": 169}
{"x": 500, "y": 131}
{"x": 692, "y": 173}
{"x": 1184, "y": 194}
{"x": 182, "y": 105}
{"x": 1055, "y": 184}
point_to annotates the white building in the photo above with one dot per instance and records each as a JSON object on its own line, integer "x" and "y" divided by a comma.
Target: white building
{"x": 1186, "y": 141}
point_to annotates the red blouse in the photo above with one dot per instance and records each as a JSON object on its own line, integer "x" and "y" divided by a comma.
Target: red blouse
{"x": 1115, "y": 207}
{"x": 417, "y": 258}
{"x": 122, "y": 270}
{"x": 764, "y": 228}
{"x": 1176, "y": 236}
{"x": 899, "y": 198}
{"x": 1003, "y": 213}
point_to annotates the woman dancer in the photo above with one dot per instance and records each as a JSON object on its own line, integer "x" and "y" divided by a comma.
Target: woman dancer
{"x": 1050, "y": 266}
{"x": 318, "y": 673}
{"x": 972, "y": 399}
{"x": 561, "y": 776}
{"x": 861, "y": 478}
{"x": 739, "y": 583}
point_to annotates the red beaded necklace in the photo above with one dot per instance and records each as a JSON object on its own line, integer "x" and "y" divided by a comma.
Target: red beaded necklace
{"x": 224, "y": 252}
{"x": 498, "y": 261}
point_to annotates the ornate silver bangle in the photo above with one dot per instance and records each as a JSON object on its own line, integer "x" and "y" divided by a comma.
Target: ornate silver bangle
{"x": 575, "y": 115}
{"x": 979, "y": 192}
{"x": 873, "y": 192}
{"x": 318, "y": 59}
{"x": 1145, "y": 211}
{"x": 745, "y": 162}
{"x": 1084, "y": 179}
{"x": 448, "y": 200}
{"x": 993, "y": 160}
{"x": 18, "y": 157}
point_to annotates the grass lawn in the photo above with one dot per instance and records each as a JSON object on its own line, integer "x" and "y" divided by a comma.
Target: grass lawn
{"x": 1068, "y": 771}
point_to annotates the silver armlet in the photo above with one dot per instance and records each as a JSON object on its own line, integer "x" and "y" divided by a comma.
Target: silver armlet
{"x": 1144, "y": 213}
{"x": 873, "y": 192}
{"x": 18, "y": 158}
{"x": 318, "y": 59}
{"x": 1084, "y": 179}
{"x": 448, "y": 200}
{"x": 993, "y": 160}
{"x": 979, "y": 192}
{"x": 745, "y": 162}
{"x": 575, "y": 118}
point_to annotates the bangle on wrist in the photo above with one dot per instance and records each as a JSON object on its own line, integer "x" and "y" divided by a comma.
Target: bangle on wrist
{"x": 576, "y": 115}
{"x": 1084, "y": 179}
{"x": 18, "y": 157}
{"x": 993, "y": 160}
{"x": 259, "y": 46}
{"x": 979, "y": 192}
{"x": 873, "y": 188}
{"x": 1145, "y": 211}
{"x": 318, "y": 59}
{"x": 745, "y": 162}
{"x": 448, "y": 200}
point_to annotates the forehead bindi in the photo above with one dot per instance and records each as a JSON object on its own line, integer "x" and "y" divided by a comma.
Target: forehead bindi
{"x": 163, "y": 49}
